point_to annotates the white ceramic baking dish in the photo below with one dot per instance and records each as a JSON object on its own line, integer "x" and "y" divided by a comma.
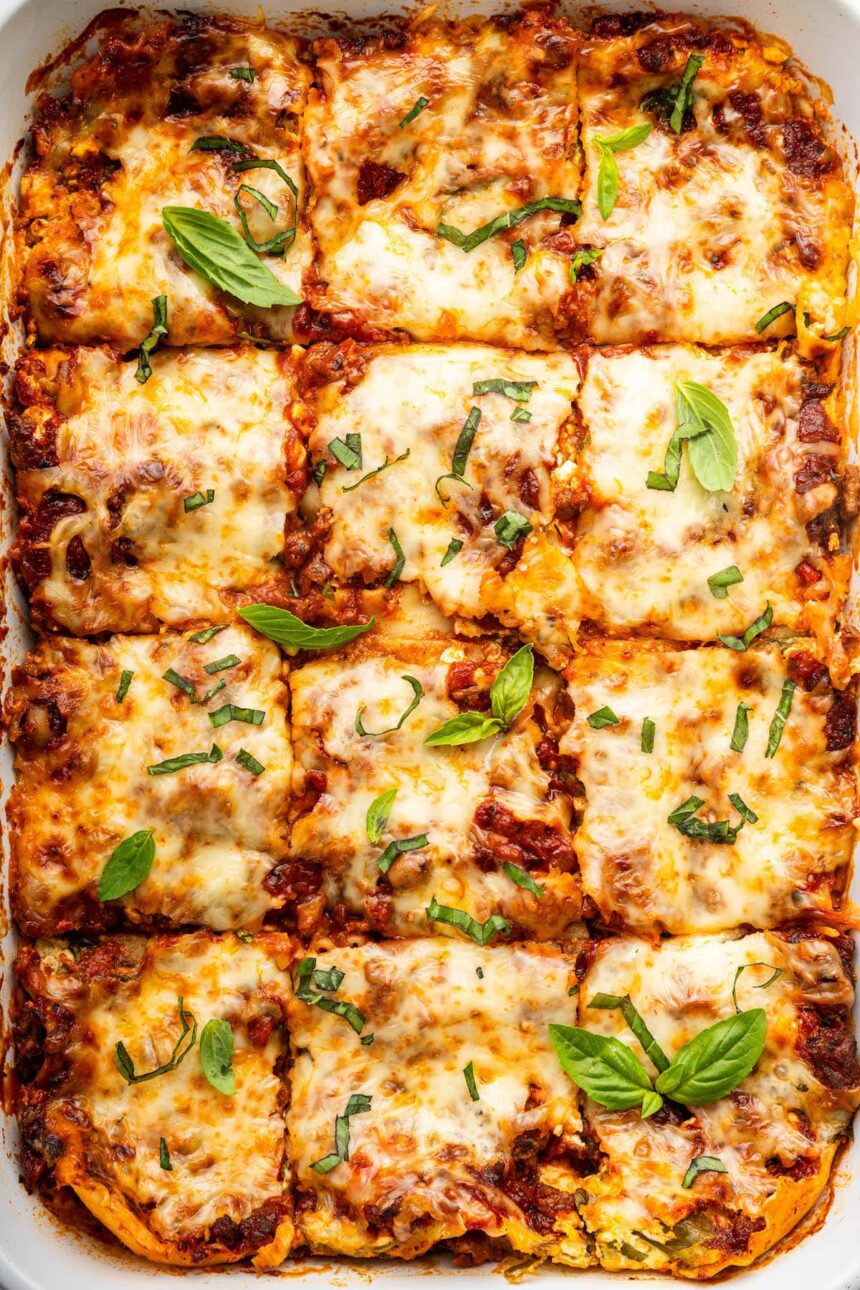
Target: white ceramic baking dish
{"x": 36, "y": 1253}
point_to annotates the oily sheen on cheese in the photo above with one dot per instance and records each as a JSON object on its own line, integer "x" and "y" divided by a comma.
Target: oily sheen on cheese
{"x": 83, "y": 784}
{"x": 156, "y": 503}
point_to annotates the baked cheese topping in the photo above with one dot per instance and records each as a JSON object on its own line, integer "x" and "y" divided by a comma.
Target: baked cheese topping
{"x": 497, "y": 133}
{"x": 119, "y": 148}
{"x": 156, "y": 502}
{"x": 646, "y": 871}
{"x": 712, "y": 227}
{"x": 85, "y": 779}
{"x": 474, "y": 808}
{"x": 422, "y": 401}
{"x": 774, "y": 1135}
{"x": 156, "y": 1160}
{"x": 426, "y": 1161}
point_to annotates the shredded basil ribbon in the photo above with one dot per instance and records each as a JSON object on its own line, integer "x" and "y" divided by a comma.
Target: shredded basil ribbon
{"x": 510, "y": 219}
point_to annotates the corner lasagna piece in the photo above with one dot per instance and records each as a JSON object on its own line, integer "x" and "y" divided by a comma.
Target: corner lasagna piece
{"x": 734, "y": 204}
{"x": 180, "y": 738}
{"x": 445, "y": 451}
{"x": 444, "y": 166}
{"x": 719, "y": 786}
{"x": 455, "y": 1123}
{"x": 695, "y": 1190}
{"x": 196, "y": 112}
{"x": 115, "y": 1100}
{"x": 482, "y": 828}
{"x": 162, "y": 502}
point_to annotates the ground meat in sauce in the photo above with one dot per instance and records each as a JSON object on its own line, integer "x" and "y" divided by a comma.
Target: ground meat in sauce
{"x": 376, "y": 181}
{"x": 840, "y": 723}
{"x": 805, "y": 151}
{"x": 825, "y": 1041}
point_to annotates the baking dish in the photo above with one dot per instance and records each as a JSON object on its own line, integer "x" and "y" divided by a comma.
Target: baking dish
{"x": 33, "y": 1251}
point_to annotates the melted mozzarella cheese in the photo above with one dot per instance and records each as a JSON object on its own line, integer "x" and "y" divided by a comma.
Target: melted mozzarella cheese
{"x": 110, "y": 1130}
{"x": 444, "y": 793}
{"x": 99, "y": 255}
{"x": 638, "y": 867}
{"x": 418, "y": 1153}
{"x": 418, "y": 399}
{"x": 218, "y": 828}
{"x": 497, "y": 134}
{"x": 135, "y": 454}
{"x": 780, "y": 1114}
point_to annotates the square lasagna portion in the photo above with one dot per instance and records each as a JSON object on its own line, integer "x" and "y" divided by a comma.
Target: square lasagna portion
{"x": 163, "y": 502}
{"x": 719, "y": 786}
{"x": 733, "y": 204}
{"x": 694, "y": 1190}
{"x": 116, "y": 1103}
{"x": 481, "y": 827}
{"x": 456, "y": 1121}
{"x": 195, "y": 112}
{"x": 444, "y": 166}
{"x": 183, "y": 740}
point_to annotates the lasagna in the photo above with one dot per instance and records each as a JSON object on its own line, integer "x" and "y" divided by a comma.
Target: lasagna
{"x": 177, "y": 739}
{"x": 129, "y": 1102}
{"x": 719, "y": 785}
{"x": 156, "y": 502}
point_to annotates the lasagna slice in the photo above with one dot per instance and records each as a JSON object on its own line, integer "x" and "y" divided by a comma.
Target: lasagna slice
{"x": 164, "y": 749}
{"x": 449, "y": 1120}
{"x": 694, "y": 1190}
{"x": 729, "y": 217}
{"x": 146, "y": 1071}
{"x": 387, "y": 826}
{"x": 443, "y": 454}
{"x": 719, "y": 786}
{"x": 445, "y": 171}
{"x": 194, "y": 112}
{"x": 156, "y": 503}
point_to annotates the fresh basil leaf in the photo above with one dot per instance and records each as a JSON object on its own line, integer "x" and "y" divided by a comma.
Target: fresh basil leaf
{"x": 274, "y": 245}
{"x": 201, "y": 638}
{"x": 741, "y": 643}
{"x": 581, "y": 259}
{"x": 218, "y": 143}
{"x": 125, "y": 680}
{"x": 519, "y": 391}
{"x": 469, "y": 1076}
{"x": 125, "y": 1065}
{"x": 523, "y": 879}
{"x": 684, "y": 820}
{"x": 128, "y": 865}
{"x": 510, "y": 219}
{"x": 741, "y": 732}
{"x": 249, "y": 762}
{"x": 604, "y": 1068}
{"x": 378, "y": 813}
{"x": 462, "y": 449}
{"x": 214, "y": 249}
{"x": 172, "y": 764}
{"x": 703, "y": 1165}
{"x": 511, "y": 528}
{"x": 286, "y": 629}
{"x": 627, "y": 139}
{"x": 684, "y": 93}
{"x": 713, "y": 448}
{"x": 164, "y": 1156}
{"x": 480, "y": 933}
{"x": 232, "y": 712}
{"x": 216, "y": 1055}
{"x": 266, "y": 163}
{"x": 608, "y": 181}
{"x": 181, "y": 682}
{"x": 305, "y": 973}
{"x": 648, "y": 730}
{"x": 776, "y": 973}
{"x": 510, "y": 690}
{"x": 242, "y": 74}
{"x": 837, "y": 335}
{"x": 349, "y": 488}
{"x": 157, "y": 333}
{"x": 780, "y": 717}
{"x": 467, "y": 728}
{"x": 772, "y": 314}
{"x": 210, "y": 694}
{"x": 519, "y": 254}
{"x": 319, "y": 472}
{"x": 455, "y": 546}
{"x": 719, "y": 582}
{"x": 715, "y": 1060}
{"x": 398, "y": 848}
{"x": 636, "y": 1022}
{"x": 399, "y": 560}
{"x": 602, "y": 717}
{"x": 419, "y": 105}
{"x": 520, "y": 414}
{"x": 357, "y": 1104}
{"x": 417, "y": 696}
{"x": 198, "y": 499}
{"x": 347, "y": 451}
{"x": 329, "y": 979}
{"x": 221, "y": 664}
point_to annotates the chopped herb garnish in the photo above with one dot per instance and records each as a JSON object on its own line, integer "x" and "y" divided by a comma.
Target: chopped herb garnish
{"x": 455, "y": 546}
{"x": 366, "y": 1039}
{"x": 128, "y": 865}
{"x": 520, "y": 414}
{"x": 523, "y": 879}
{"x": 358, "y": 1103}
{"x": 511, "y": 528}
{"x": 780, "y": 717}
{"x": 319, "y": 471}
{"x": 703, "y": 1165}
{"x": 602, "y": 717}
{"x": 519, "y": 254}
{"x": 469, "y": 1075}
{"x": 348, "y": 488}
{"x": 776, "y": 972}
{"x": 125, "y": 680}
{"x": 519, "y": 391}
{"x": 480, "y": 933}
{"x": 242, "y": 74}
{"x": 218, "y": 143}
{"x": 210, "y": 693}
{"x": 719, "y": 582}
{"x": 741, "y": 643}
{"x": 173, "y": 764}
{"x": 347, "y": 451}
{"x": 648, "y": 730}
{"x": 307, "y": 976}
{"x": 232, "y": 712}
{"x": 636, "y": 1022}
{"x": 837, "y": 335}
{"x": 508, "y": 696}
{"x": 703, "y": 421}
{"x": 685, "y": 821}
{"x": 417, "y": 108}
{"x": 198, "y": 499}
{"x": 672, "y": 103}
{"x": 216, "y": 1055}
{"x": 398, "y": 847}
{"x": 581, "y": 260}
{"x": 221, "y": 664}
{"x": 157, "y": 332}
{"x": 249, "y": 762}
{"x": 399, "y": 560}
{"x": 785, "y": 307}
{"x": 741, "y": 732}
{"x": 285, "y": 628}
{"x": 201, "y": 638}
{"x": 164, "y": 1156}
{"x": 220, "y": 254}
{"x": 510, "y": 219}
{"x": 462, "y": 449}
{"x": 378, "y": 813}
{"x": 607, "y": 172}
{"x": 246, "y": 938}
{"x": 125, "y": 1065}
{"x": 181, "y": 682}
{"x": 417, "y": 695}
{"x": 479, "y": 973}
